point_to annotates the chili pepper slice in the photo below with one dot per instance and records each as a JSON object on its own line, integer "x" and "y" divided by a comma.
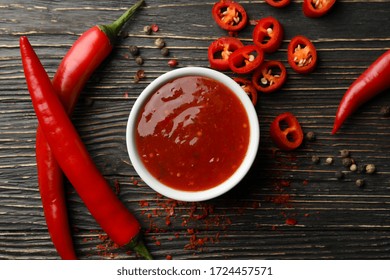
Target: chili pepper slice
{"x": 317, "y": 8}
{"x": 246, "y": 59}
{"x": 220, "y": 50}
{"x": 270, "y": 76}
{"x": 286, "y": 132}
{"x": 374, "y": 80}
{"x": 268, "y": 34}
{"x": 301, "y": 55}
{"x": 71, "y": 76}
{"x": 72, "y": 156}
{"x": 248, "y": 87}
{"x": 278, "y": 3}
{"x": 229, "y": 15}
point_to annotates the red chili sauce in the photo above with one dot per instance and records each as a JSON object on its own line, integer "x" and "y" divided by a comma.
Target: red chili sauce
{"x": 193, "y": 133}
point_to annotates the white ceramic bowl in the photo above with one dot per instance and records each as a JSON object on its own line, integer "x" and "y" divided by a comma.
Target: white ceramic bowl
{"x": 192, "y": 195}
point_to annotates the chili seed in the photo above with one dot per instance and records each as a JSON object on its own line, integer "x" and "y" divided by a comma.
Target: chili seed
{"x": 148, "y": 29}
{"x": 311, "y": 136}
{"x": 370, "y": 168}
{"x": 139, "y": 60}
{"x": 165, "y": 51}
{"x": 353, "y": 167}
{"x": 133, "y": 50}
{"x": 159, "y": 43}
{"x": 344, "y": 153}
{"x": 360, "y": 182}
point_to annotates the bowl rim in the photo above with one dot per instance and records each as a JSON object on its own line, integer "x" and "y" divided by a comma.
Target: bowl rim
{"x": 228, "y": 184}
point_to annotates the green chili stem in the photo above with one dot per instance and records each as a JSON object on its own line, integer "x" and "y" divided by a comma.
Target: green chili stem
{"x": 139, "y": 247}
{"x": 112, "y": 30}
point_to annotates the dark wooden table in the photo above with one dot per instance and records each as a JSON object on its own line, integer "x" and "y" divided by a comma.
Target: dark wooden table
{"x": 335, "y": 219}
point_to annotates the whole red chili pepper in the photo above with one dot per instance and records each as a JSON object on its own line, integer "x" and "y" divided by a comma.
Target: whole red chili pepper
{"x": 286, "y": 132}
{"x": 374, "y": 80}
{"x": 229, "y": 15}
{"x": 85, "y": 55}
{"x": 317, "y": 8}
{"x": 72, "y": 156}
{"x": 220, "y": 50}
{"x": 268, "y": 34}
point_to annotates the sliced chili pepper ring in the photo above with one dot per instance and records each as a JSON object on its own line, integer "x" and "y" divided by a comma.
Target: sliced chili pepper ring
{"x": 278, "y": 3}
{"x": 268, "y": 34}
{"x": 317, "y": 8}
{"x": 248, "y": 87}
{"x": 220, "y": 50}
{"x": 301, "y": 55}
{"x": 246, "y": 59}
{"x": 229, "y": 15}
{"x": 286, "y": 132}
{"x": 270, "y": 76}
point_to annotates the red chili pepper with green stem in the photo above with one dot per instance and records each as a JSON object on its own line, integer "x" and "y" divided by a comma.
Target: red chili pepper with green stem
{"x": 86, "y": 54}
{"x": 73, "y": 158}
{"x": 374, "y": 80}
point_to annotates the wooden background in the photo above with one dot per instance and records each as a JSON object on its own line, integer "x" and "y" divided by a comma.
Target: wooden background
{"x": 335, "y": 219}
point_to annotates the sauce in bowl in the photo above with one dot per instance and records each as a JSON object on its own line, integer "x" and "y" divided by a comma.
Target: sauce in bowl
{"x": 192, "y": 133}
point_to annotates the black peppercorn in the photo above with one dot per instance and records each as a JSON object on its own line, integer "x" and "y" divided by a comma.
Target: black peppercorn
{"x": 360, "y": 183}
{"x": 133, "y": 50}
{"x": 344, "y": 153}
{"x": 139, "y": 60}
{"x": 347, "y": 162}
{"x": 165, "y": 51}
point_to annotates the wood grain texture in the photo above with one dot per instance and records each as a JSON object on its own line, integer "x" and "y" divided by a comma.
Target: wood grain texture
{"x": 335, "y": 219}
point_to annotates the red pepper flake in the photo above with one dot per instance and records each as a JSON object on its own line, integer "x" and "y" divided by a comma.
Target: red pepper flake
{"x": 144, "y": 203}
{"x": 158, "y": 243}
{"x": 126, "y": 95}
{"x": 155, "y": 27}
{"x": 168, "y": 257}
{"x": 167, "y": 220}
{"x": 281, "y": 199}
{"x": 291, "y": 222}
